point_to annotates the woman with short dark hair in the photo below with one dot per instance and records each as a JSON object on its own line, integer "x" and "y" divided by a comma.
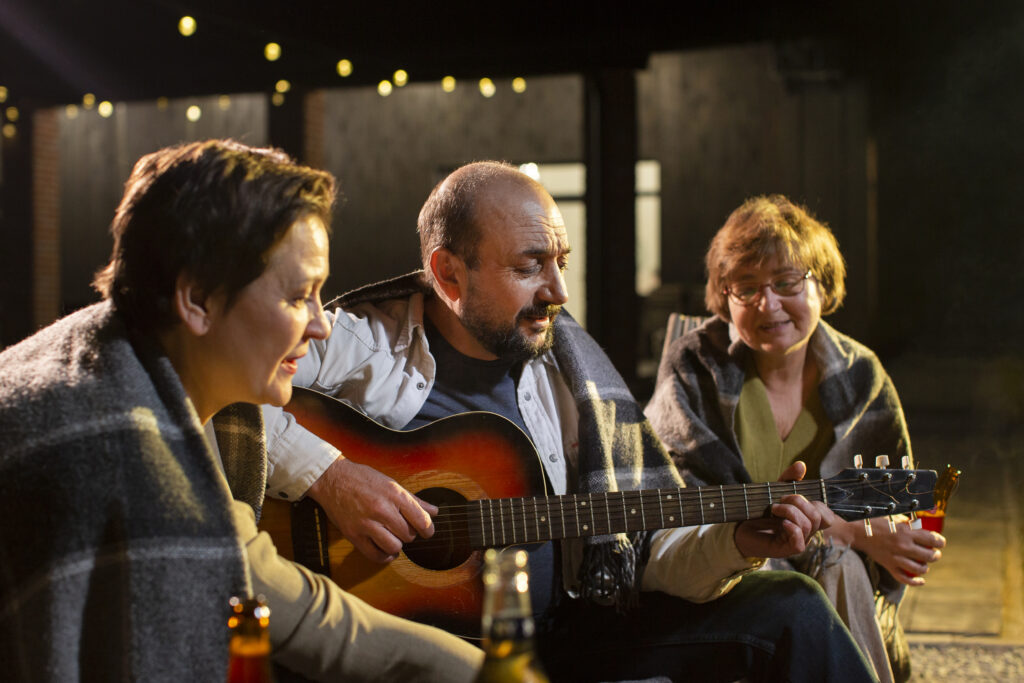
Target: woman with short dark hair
{"x": 124, "y": 534}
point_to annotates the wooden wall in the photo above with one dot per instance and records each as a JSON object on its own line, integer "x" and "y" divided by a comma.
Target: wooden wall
{"x": 96, "y": 156}
{"x": 389, "y": 152}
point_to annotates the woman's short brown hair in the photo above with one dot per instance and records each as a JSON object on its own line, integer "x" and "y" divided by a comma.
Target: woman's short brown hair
{"x": 770, "y": 228}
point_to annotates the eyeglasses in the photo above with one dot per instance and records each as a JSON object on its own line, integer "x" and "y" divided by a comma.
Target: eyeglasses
{"x": 749, "y": 293}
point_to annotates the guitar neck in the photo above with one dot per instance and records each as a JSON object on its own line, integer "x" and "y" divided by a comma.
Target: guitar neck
{"x": 512, "y": 521}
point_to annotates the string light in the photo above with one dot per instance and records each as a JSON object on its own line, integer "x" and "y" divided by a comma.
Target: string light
{"x": 277, "y": 99}
{"x": 282, "y": 86}
{"x": 3, "y": 94}
{"x": 487, "y": 88}
{"x": 10, "y": 130}
{"x": 106, "y": 109}
{"x": 448, "y": 83}
{"x": 193, "y": 113}
{"x": 12, "y": 114}
{"x": 224, "y": 102}
{"x": 71, "y": 111}
{"x": 88, "y": 100}
{"x": 401, "y": 78}
{"x": 272, "y": 51}
{"x": 384, "y": 88}
{"x": 519, "y": 84}
{"x": 344, "y": 68}
{"x": 186, "y": 26}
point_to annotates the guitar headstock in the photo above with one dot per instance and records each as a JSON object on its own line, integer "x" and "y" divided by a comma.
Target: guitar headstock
{"x": 862, "y": 493}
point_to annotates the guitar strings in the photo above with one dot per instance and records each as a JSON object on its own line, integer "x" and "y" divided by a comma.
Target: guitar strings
{"x": 526, "y": 516}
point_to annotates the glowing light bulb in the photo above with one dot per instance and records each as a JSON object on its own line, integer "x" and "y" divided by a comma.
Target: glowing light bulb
{"x": 344, "y": 68}
{"x": 384, "y": 88}
{"x": 487, "y": 88}
{"x": 3, "y": 94}
{"x": 272, "y": 51}
{"x": 193, "y": 113}
{"x": 71, "y": 111}
{"x": 88, "y": 100}
{"x": 186, "y": 26}
{"x": 106, "y": 109}
{"x": 282, "y": 86}
{"x": 448, "y": 83}
{"x": 10, "y": 130}
{"x": 401, "y": 78}
{"x": 519, "y": 84}
{"x": 12, "y": 114}
{"x": 224, "y": 102}
{"x": 277, "y": 99}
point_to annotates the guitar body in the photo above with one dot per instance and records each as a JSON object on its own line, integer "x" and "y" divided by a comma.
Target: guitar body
{"x": 469, "y": 456}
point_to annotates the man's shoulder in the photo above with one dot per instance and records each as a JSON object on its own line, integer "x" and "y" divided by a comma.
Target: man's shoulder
{"x": 396, "y": 288}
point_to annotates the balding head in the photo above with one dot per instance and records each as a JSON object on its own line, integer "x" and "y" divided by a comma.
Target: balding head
{"x": 448, "y": 218}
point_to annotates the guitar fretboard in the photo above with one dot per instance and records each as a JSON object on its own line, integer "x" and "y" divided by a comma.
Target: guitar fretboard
{"x": 512, "y": 521}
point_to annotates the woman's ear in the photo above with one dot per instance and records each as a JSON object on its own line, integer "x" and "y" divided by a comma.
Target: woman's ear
{"x": 449, "y": 273}
{"x": 192, "y": 305}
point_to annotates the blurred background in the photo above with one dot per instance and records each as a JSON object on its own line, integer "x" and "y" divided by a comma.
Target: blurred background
{"x": 897, "y": 123}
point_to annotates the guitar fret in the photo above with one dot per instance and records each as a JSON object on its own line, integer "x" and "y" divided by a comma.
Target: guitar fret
{"x": 561, "y": 513}
{"x": 700, "y": 499}
{"x": 661, "y": 509}
{"x": 512, "y": 519}
{"x": 576, "y": 510}
{"x": 537, "y": 519}
{"x": 679, "y": 498}
{"x": 593, "y": 524}
{"x": 643, "y": 515}
{"x": 769, "y": 487}
{"x": 625, "y": 515}
{"x": 725, "y": 517}
{"x": 608, "y": 511}
{"x": 490, "y": 516}
{"x": 824, "y": 496}
{"x": 501, "y": 518}
{"x": 746, "y": 506}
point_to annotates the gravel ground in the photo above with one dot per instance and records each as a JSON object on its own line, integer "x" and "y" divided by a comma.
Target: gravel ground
{"x": 961, "y": 663}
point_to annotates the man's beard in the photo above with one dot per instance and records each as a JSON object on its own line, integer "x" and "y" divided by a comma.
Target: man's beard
{"x": 509, "y": 342}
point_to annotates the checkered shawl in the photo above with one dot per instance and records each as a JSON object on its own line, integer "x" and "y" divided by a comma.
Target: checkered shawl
{"x": 117, "y": 547}
{"x": 699, "y": 382}
{"x": 618, "y": 449}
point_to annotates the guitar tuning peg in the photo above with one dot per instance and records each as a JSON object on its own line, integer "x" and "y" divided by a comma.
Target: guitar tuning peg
{"x": 867, "y": 528}
{"x": 892, "y": 525}
{"x": 905, "y": 462}
{"x": 882, "y": 461}
{"x": 858, "y": 461}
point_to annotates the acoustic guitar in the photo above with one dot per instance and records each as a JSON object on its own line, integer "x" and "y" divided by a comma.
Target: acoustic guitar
{"x": 484, "y": 475}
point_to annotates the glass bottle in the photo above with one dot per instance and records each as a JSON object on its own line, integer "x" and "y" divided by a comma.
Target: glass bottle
{"x": 508, "y": 621}
{"x": 249, "y": 650}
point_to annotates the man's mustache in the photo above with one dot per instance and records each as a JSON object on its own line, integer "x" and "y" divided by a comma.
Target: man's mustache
{"x": 550, "y": 311}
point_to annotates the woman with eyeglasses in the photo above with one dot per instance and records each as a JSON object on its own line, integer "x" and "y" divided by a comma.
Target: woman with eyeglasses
{"x": 767, "y": 383}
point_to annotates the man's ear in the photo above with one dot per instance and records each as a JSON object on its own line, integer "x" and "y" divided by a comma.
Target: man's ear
{"x": 192, "y": 305}
{"x": 449, "y": 273}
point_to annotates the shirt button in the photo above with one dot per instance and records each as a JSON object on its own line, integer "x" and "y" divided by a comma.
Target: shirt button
{"x": 527, "y": 396}
{"x": 553, "y": 457}
{"x": 420, "y": 385}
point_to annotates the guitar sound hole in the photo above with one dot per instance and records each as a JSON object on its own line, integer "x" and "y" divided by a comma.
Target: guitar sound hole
{"x": 449, "y": 546}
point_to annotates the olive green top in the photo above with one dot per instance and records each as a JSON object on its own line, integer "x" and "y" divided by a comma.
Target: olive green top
{"x": 765, "y": 455}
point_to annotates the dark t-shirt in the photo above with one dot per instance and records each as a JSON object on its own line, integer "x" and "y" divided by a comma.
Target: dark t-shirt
{"x": 463, "y": 384}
